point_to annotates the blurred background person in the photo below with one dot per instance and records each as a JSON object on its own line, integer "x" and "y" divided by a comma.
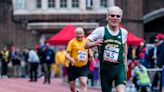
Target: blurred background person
{"x": 5, "y": 54}
{"x": 26, "y": 66}
{"x": 141, "y": 78}
{"x": 142, "y": 56}
{"x": 16, "y": 61}
{"x": 160, "y": 59}
{"x": 160, "y": 38}
{"x": 33, "y": 60}
{"x": 60, "y": 60}
{"x": 132, "y": 52}
{"x": 47, "y": 56}
{"x": 153, "y": 56}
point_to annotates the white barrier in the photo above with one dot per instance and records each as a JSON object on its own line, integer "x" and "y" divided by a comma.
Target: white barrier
{"x": 154, "y": 69}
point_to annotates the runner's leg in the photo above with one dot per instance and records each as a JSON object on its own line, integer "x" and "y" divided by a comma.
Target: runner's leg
{"x": 83, "y": 83}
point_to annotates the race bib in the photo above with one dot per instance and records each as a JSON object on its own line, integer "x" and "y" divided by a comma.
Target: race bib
{"x": 82, "y": 55}
{"x": 111, "y": 54}
{"x": 48, "y": 58}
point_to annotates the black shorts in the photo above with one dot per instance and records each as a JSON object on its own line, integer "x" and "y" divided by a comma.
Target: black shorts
{"x": 76, "y": 72}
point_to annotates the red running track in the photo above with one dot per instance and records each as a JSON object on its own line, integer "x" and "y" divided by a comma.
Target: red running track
{"x": 22, "y": 85}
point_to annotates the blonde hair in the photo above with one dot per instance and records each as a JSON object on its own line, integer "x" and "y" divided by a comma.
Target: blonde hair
{"x": 114, "y": 8}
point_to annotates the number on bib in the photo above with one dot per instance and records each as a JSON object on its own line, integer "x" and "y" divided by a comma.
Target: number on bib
{"x": 82, "y": 56}
{"x": 111, "y": 54}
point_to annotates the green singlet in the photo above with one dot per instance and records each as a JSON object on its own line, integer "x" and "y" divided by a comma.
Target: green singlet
{"x": 111, "y": 58}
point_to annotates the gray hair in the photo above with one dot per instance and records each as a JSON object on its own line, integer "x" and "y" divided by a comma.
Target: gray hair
{"x": 79, "y": 29}
{"x": 113, "y": 8}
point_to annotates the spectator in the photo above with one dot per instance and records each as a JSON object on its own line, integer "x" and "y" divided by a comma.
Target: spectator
{"x": 154, "y": 62}
{"x": 33, "y": 60}
{"x": 133, "y": 52}
{"x": 16, "y": 61}
{"x": 152, "y": 54}
{"x": 25, "y": 58}
{"x": 142, "y": 82}
{"x": 5, "y": 54}
{"x": 160, "y": 60}
{"x": 160, "y": 50}
{"x": 60, "y": 60}
{"x": 47, "y": 56}
{"x": 142, "y": 54}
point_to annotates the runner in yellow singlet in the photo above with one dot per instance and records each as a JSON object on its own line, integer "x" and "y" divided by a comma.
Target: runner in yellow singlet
{"x": 78, "y": 57}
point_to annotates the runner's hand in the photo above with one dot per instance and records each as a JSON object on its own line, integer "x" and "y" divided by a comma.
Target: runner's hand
{"x": 72, "y": 61}
{"x": 98, "y": 43}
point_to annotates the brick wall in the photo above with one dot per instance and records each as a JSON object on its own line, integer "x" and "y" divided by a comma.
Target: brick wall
{"x": 14, "y": 32}
{"x": 133, "y": 15}
{"x": 151, "y": 5}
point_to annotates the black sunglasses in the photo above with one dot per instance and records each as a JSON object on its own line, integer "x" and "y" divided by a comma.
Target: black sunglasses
{"x": 118, "y": 16}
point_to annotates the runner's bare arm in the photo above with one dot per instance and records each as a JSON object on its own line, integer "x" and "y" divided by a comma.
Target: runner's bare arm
{"x": 67, "y": 55}
{"x": 91, "y": 44}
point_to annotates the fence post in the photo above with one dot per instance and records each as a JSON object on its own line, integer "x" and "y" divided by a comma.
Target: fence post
{"x": 162, "y": 78}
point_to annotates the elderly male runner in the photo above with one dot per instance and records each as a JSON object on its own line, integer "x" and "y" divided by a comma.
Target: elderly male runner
{"x": 111, "y": 40}
{"x": 78, "y": 57}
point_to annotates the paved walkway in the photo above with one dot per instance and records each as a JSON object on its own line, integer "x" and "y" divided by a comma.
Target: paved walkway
{"x": 22, "y": 85}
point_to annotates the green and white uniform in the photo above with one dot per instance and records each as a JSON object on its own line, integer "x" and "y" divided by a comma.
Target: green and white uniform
{"x": 111, "y": 56}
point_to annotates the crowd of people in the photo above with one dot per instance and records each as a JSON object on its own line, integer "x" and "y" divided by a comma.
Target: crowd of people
{"x": 30, "y": 59}
{"x": 105, "y": 50}
{"x": 151, "y": 59}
